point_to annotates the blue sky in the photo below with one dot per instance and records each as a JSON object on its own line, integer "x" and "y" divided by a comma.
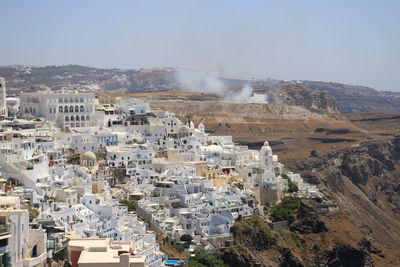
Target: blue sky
{"x": 356, "y": 42}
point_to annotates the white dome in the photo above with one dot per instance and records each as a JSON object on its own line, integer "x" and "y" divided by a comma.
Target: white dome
{"x": 89, "y": 155}
{"x": 268, "y": 148}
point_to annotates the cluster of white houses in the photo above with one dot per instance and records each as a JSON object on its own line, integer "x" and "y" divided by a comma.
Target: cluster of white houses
{"x": 73, "y": 157}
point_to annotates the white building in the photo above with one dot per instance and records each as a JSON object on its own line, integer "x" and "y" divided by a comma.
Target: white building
{"x": 133, "y": 106}
{"x": 134, "y": 156}
{"x": 12, "y": 104}
{"x": 104, "y": 252}
{"x": 67, "y": 110}
{"x": 26, "y": 247}
{"x": 3, "y": 106}
{"x": 21, "y": 159}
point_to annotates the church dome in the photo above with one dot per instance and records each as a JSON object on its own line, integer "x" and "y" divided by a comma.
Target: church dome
{"x": 89, "y": 155}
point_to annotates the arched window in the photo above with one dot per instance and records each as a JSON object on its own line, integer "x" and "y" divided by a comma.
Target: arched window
{"x": 88, "y": 118}
{"x": 82, "y": 109}
{"x": 76, "y": 99}
{"x": 65, "y": 109}
{"x": 76, "y": 109}
{"x": 66, "y": 118}
{"x": 34, "y": 251}
{"x": 71, "y": 108}
{"x": 72, "y": 118}
{"x": 77, "y": 118}
{"x": 60, "y": 109}
{"x": 82, "y": 118}
{"x": 65, "y": 100}
{"x": 81, "y": 100}
{"x": 71, "y": 100}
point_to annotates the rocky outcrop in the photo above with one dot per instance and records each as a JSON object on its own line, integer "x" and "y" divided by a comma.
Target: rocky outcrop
{"x": 257, "y": 245}
{"x": 347, "y": 256}
{"x": 298, "y": 95}
{"x": 308, "y": 218}
{"x": 288, "y": 259}
{"x": 358, "y": 99}
{"x": 363, "y": 179}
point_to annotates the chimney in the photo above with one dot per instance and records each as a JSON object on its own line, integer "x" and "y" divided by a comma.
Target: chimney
{"x": 124, "y": 260}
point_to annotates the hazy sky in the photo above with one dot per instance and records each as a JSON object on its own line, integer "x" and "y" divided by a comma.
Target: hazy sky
{"x": 356, "y": 42}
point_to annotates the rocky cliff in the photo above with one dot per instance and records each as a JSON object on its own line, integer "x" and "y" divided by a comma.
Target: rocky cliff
{"x": 364, "y": 181}
{"x": 314, "y": 239}
{"x": 356, "y": 225}
{"x": 358, "y": 99}
{"x": 298, "y": 95}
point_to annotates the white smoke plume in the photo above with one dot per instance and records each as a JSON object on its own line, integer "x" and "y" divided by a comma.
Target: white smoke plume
{"x": 205, "y": 82}
{"x": 200, "y": 81}
{"x": 246, "y": 95}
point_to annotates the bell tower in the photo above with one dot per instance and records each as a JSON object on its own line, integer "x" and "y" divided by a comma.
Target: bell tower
{"x": 3, "y": 106}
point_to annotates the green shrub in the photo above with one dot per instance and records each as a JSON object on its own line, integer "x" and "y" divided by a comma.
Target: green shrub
{"x": 292, "y": 187}
{"x": 285, "y": 210}
{"x": 128, "y": 203}
{"x": 178, "y": 247}
{"x": 186, "y": 238}
{"x": 202, "y": 259}
{"x": 33, "y": 213}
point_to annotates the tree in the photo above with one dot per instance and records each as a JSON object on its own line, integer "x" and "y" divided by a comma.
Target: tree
{"x": 188, "y": 118}
{"x": 33, "y": 213}
{"x": 186, "y": 238}
{"x": 292, "y": 187}
{"x": 285, "y": 176}
{"x": 128, "y": 203}
{"x": 285, "y": 211}
{"x": 202, "y": 259}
